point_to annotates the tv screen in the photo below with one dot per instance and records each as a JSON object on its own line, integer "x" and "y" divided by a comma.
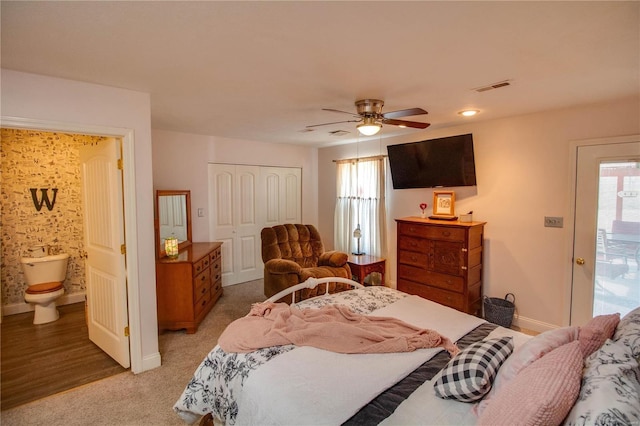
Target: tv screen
{"x": 443, "y": 162}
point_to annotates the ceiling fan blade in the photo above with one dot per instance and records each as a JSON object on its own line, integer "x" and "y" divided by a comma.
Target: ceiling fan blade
{"x": 405, "y": 123}
{"x": 404, "y": 113}
{"x": 334, "y": 122}
{"x": 342, "y": 112}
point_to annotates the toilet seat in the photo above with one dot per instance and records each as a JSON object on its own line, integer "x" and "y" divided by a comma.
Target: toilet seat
{"x": 44, "y": 288}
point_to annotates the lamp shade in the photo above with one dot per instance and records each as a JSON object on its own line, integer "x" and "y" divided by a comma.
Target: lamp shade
{"x": 369, "y": 127}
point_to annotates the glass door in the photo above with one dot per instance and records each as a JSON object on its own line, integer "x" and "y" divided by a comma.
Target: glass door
{"x": 606, "y": 237}
{"x": 617, "y": 281}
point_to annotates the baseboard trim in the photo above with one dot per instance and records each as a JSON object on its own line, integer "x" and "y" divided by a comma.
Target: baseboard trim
{"x": 150, "y": 362}
{"x": 531, "y": 324}
{"x": 20, "y": 308}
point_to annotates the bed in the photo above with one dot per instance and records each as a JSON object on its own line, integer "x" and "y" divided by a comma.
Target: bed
{"x": 302, "y": 385}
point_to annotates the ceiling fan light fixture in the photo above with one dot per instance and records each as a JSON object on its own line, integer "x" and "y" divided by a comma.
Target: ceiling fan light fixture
{"x": 369, "y": 127}
{"x": 468, "y": 112}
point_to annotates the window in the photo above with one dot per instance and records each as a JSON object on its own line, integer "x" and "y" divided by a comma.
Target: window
{"x": 361, "y": 201}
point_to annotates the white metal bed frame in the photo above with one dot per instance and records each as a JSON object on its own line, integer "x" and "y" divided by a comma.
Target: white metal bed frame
{"x": 312, "y": 283}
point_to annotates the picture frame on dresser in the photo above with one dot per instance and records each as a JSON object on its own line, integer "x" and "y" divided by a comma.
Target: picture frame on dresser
{"x": 444, "y": 203}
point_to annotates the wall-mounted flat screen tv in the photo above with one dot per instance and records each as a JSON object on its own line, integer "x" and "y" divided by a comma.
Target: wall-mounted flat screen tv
{"x": 443, "y": 162}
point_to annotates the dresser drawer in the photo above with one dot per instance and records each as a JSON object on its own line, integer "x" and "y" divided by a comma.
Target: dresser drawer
{"x": 216, "y": 270}
{"x": 202, "y": 303}
{"x": 444, "y": 297}
{"x": 419, "y": 260}
{"x": 200, "y": 266}
{"x": 215, "y": 255}
{"x": 201, "y": 283}
{"x": 216, "y": 287}
{"x": 413, "y": 244}
{"x": 431, "y": 232}
{"x": 423, "y": 277}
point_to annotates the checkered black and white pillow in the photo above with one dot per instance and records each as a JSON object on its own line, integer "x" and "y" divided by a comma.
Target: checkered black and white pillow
{"x": 468, "y": 376}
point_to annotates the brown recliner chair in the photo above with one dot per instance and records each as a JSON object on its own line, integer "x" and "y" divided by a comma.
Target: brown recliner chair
{"x": 292, "y": 254}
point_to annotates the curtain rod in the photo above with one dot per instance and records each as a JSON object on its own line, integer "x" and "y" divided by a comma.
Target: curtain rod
{"x": 374, "y": 157}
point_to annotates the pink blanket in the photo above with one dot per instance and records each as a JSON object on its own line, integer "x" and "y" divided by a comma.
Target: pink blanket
{"x": 335, "y": 328}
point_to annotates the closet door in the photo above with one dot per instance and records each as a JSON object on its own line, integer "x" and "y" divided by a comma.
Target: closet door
{"x": 234, "y": 220}
{"x": 281, "y": 195}
{"x": 243, "y": 200}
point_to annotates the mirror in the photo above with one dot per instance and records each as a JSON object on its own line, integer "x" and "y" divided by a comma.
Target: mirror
{"x": 173, "y": 218}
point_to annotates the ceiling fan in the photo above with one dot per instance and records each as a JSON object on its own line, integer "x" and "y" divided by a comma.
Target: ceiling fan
{"x": 371, "y": 118}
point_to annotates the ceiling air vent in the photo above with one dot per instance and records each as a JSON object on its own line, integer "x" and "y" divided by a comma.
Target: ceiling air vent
{"x": 338, "y": 133}
{"x": 497, "y": 85}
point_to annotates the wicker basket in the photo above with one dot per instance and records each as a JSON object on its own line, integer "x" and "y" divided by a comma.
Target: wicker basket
{"x": 500, "y": 311}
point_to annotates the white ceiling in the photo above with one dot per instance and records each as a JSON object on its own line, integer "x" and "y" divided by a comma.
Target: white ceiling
{"x": 264, "y": 70}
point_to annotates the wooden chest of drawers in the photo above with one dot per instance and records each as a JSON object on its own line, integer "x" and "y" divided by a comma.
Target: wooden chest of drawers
{"x": 442, "y": 261}
{"x": 189, "y": 286}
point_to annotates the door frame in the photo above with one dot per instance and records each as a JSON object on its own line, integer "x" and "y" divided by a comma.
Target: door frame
{"x": 130, "y": 213}
{"x": 571, "y": 222}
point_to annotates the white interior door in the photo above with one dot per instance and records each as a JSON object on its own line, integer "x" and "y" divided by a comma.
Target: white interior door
{"x": 104, "y": 239}
{"x": 280, "y": 195}
{"x": 243, "y": 200}
{"x": 588, "y": 161}
{"x": 234, "y": 220}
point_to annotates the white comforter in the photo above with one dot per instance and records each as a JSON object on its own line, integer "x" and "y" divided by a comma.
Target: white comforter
{"x": 309, "y": 386}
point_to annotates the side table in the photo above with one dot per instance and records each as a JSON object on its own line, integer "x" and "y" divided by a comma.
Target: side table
{"x": 363, "y": 265}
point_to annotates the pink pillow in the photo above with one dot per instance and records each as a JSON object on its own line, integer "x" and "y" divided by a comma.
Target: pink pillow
{"x": 542, "y": 393}
{"x": 595, "y": 332}
{"x": 529, "y": 352}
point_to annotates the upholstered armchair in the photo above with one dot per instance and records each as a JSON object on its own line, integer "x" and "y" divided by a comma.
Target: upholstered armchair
{"x": 292, "y": 253}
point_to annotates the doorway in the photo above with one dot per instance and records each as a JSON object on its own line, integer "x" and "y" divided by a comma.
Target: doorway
{"x": 606, "y": 249}
{"x": 128, "y": 213}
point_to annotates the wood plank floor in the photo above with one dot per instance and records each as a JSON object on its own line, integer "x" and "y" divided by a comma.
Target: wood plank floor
{"x": 41, "y": 360}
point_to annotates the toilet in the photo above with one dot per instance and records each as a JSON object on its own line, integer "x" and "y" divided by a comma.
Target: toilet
{"x": 44, "y": 276}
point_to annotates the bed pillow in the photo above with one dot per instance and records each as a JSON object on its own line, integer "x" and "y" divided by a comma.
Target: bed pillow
{"x": 610, "y": 392}
{"x": 595, "y": 332}
{"x": 529, "y": 352}
{"x": 628, "y": 332}
{"x": 468, "y": 376}
{"x": 542, "y": 393}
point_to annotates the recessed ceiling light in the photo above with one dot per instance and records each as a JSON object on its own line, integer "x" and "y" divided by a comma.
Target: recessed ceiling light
{"x": 468, "y": 112}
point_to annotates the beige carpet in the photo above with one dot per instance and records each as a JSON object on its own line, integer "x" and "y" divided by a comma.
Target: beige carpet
{"x": 147, "y": 398}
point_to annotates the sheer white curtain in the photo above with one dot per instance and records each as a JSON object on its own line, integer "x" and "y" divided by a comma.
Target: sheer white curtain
{"x": 361, "y": 200}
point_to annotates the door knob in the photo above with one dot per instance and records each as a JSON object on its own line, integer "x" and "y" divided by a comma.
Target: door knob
{"x": 580, "y": 261}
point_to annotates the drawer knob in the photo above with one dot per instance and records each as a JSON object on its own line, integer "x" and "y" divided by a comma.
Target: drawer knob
{"x": 464, "y": 268}
{"x": 446, "y": 233}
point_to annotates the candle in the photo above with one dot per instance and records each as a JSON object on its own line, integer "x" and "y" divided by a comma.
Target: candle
{"x": 171, "y": 247}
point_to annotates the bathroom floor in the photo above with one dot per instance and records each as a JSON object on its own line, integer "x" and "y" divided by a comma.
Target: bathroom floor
{"x": 41, "y": 360}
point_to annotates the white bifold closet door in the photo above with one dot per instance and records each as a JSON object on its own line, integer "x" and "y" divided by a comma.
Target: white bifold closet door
{"x": 243, "y": 200}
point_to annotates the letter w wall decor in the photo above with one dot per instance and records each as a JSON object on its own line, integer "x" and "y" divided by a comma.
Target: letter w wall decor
{"x": 44, "y": 197}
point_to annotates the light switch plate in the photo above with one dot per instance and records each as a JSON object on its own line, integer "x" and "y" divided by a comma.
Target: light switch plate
{"x": 553, "y": 222}
{"x": 200, "y": 212}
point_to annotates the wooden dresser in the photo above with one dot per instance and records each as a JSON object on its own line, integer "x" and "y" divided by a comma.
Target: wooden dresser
{"x": 189, "y": 286}
{"x": 442, "y": 261}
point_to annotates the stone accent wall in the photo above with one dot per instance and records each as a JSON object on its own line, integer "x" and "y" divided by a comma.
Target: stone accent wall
{"x": 35, "y": 159}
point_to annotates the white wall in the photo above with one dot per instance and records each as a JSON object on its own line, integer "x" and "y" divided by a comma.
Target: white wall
{"x": 523, "y": 172}
{"x": 180, "y": 161}
{"x": 51, "y": 100}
